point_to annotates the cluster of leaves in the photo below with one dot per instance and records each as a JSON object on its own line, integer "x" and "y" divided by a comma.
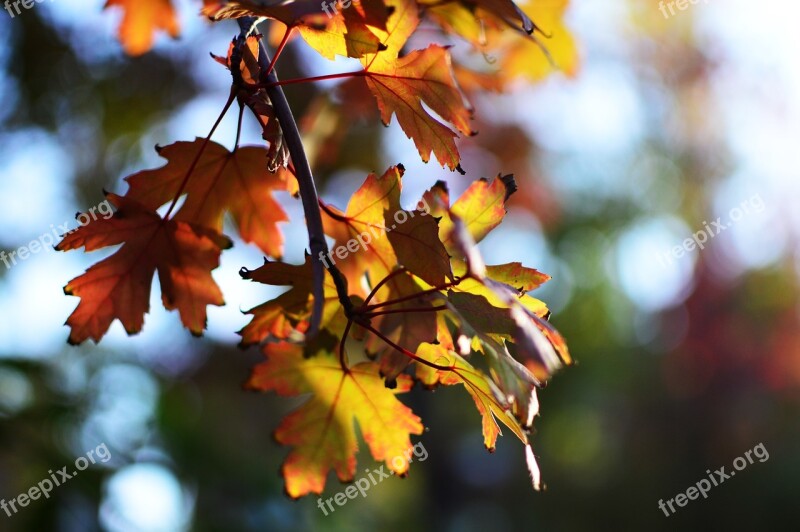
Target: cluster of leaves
{"x": 436, "y": 307}
{"x": 416, "y": 302}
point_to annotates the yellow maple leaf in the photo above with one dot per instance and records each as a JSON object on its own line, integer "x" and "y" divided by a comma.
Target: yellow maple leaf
{"x": 322, "y": 431}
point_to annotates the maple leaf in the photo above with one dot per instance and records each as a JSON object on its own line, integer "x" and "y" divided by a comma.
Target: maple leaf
{"x": 364, "y": 221}
{"x": 402, "y": 21}
{"x": 349, "y": 32}
{"x": 480, "y": 208}
{"x": 514, "y": 274}
{"x": 322, "y": 431}
{"x": 247, "y": 68}
{"x": 290, "y": 311}
{"x": 493, "y": 403}
{"x": 222, "y": 181}
{"x": 371, "y": 218}
{"x": 545, "y": 46}
{"x": 490, "y": 305}
{"x": 118, "y": 287}
{"x": 402, "y": 86}
{"x": 141, "y": 20}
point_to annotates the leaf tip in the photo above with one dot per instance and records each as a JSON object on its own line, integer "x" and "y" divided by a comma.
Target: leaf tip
{"x": 510, "y": 184}
{"x": 289, "y": 494}
{"x": 533, "y": 469}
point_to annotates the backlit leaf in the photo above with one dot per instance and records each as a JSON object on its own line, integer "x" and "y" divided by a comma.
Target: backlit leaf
{"x": 290, "y": 311}
{"x": 141, "y": 20}
{"x": 322, "y": 431}
{"x": 222, "y": 181}
{"x": 119, "y": 287}
{"x": 404, "y": 86}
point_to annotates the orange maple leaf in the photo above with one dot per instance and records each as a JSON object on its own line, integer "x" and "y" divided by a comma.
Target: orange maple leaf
{"x": 290, "y": 311}
{"x": 422, "y": 77}
{"x": 402, "y": 84}
{"x": 364, "y": 221}
{"x": 119, "y": 287}
{"x": 322, "y": 431}
{"x": 222, "y": 181}
{"x": 141, "y": 20}
{"x": 350, "y": 32}
{"x": 543, "y": 45}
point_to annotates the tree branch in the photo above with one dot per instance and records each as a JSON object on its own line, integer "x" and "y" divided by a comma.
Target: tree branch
{"x": 308, "y": 191}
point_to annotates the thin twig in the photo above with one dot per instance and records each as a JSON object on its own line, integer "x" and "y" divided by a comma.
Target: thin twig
{"x": 196, "y": 159}
{"x": 405, "y": 311}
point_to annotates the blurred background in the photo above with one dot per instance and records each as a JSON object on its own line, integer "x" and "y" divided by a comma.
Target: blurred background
{"x": 685, "y": 360}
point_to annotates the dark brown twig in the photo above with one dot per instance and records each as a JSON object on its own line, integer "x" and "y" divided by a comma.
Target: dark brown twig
{"x": 308, "y": 190}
